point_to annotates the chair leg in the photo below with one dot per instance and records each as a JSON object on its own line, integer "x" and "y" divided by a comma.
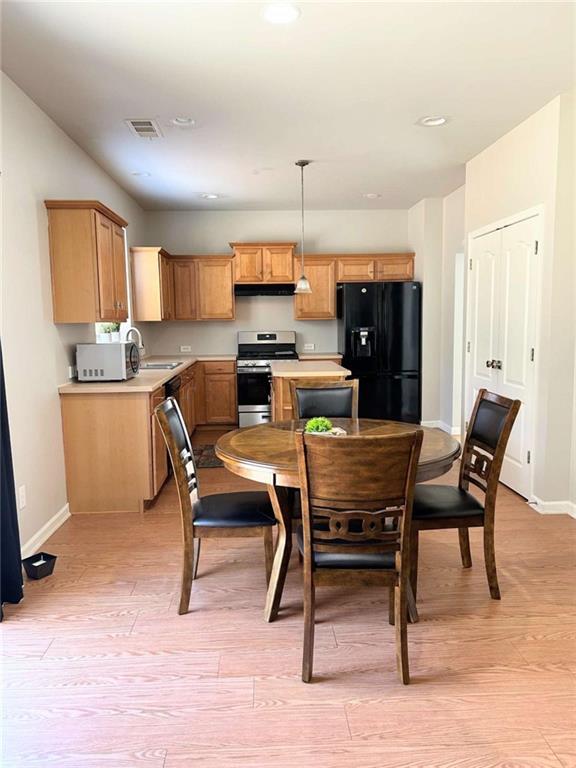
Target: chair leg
{"x": 187, "y": 576}
{"x": 411, "y": 603}
{"x": 268, "y": 550}
{"x": 465, "y": 554}
{"x": 414, "y": 546}
{"x": 490, "y": 562}
{"x": 400, "y": 623}
{"x": 309, "y": 610}
{"x": 391, "y": 606}
{"x": 196, "y": 556}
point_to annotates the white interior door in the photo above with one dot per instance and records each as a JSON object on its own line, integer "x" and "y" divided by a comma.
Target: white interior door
{"x": 517, "y": 344}
{"x": 502, "y": 305}
{"x": 483, "y": 293}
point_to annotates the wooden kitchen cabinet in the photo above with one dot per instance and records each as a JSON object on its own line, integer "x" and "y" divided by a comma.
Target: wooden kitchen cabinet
{"x": 365, "y": 268}
{"x": 152, "y": 284}
{"x": 355, "y": 269}
{"x": 321, "y": 303}
{"x": 184, "y": 279}
{"x": 214, "y": 288}
{"x": 88, "y": 262}
{"x": 263, "y": 262}
{"x": 187, "y": 398}
{"x": 395, "y": 266}
{"x": 219, "y": 387}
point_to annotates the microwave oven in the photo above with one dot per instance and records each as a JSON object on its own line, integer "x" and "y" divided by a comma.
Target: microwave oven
{"x": 107, "y": 362}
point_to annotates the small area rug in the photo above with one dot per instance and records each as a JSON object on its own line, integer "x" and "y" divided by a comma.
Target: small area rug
{"x": 205, "y": 457}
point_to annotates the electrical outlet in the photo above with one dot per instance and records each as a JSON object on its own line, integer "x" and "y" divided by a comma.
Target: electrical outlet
{"x": 309, "y": 347}
{"x": 185, "y": 348}
{"x": 21, "y": 497}
{"x": 72, "y": 372}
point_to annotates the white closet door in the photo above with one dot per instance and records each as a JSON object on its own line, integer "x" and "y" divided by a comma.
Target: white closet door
{"x": 483, "y": 316}
{"x": 517, "y": 325}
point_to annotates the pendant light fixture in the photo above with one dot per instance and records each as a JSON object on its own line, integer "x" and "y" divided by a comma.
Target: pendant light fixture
{"x": 302, "y": 286}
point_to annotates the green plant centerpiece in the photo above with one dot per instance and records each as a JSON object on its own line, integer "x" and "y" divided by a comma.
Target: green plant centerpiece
{"x": 318, "y": 424}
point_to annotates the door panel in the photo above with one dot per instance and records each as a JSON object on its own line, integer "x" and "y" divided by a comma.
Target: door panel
{"x": 394, "y": 397}
{"x": 321, "y": 303}
{"x": 278, "y": 264}
{"x": 517, "y": 331}
{"x": 105, "y": 262}
{"x": 184, "y": 290}
{"x": 215, "y": 289}
{"x": 400, "y": 335}
{"x": 248, "y": 264}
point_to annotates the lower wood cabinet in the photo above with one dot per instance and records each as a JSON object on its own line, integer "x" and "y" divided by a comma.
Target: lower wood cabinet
{"x": 219, "y": 388}
{"x": 187, "y": 399}
{"x": 159, "y": 455}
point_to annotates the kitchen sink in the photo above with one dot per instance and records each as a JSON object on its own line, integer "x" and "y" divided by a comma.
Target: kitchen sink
{"x": 159, "y": 366}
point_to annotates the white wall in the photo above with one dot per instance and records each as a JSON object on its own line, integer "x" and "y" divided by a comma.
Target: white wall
{"x": 40, "y": 162}
{"x": 425, "y": 236}
{"x": 530, "y": 166}
{"x": 188, "y": 232}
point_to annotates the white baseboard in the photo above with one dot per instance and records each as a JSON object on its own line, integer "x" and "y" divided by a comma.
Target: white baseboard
{"x": 553, "y": 507}
{"x": 454, "y": 431}
{"x": 35, "y": 542}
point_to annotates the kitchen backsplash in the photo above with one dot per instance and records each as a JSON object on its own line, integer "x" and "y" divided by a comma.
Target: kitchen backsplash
{"x": 254, "y": 313}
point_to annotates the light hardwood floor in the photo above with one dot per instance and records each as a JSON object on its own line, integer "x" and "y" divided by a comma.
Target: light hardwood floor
{"x": 101, "y": 672}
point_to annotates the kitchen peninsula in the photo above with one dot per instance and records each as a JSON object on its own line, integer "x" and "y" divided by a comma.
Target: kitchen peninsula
{"x": 285, "y": 371}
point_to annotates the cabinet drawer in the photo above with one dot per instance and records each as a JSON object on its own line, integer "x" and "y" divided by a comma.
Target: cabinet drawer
{"x": 222, "y": 366}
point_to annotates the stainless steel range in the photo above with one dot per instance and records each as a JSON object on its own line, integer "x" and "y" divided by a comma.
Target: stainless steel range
{"x": 256, "y": 351}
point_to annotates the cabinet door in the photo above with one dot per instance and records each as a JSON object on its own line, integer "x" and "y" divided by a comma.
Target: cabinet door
{"x": 184, "y": 290}
{"x": 215, "y": 289}
{"x": 192, "y": 404}
{"x": 105, "y": 268}
{"x": 355, "y": 269}
{"x": 220, "y": 398}
{"x": 248, "y": 264}
{"x": 399, "y": 267}
{"x": 120, "y": 283}
{"x": 321, "y": 303}
{"x": 278, "y": 264}
{"x": 166, "y": 289}
{"x": 159, "y": 469}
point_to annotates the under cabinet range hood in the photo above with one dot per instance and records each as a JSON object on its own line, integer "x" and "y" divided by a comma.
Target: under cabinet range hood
{"x": 264, "y": 289}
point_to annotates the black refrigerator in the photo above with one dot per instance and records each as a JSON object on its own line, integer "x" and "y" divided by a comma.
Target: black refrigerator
{"x": 379, "y": 336}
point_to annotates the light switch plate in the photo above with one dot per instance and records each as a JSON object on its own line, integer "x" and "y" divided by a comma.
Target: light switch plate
{"x": 309, "y": 347}
{"x": 185, "y": 348}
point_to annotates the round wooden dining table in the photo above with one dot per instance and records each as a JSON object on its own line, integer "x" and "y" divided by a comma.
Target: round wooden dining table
{"x": 266, "y": 453}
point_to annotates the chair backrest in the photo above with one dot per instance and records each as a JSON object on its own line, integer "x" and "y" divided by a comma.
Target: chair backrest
{"x": 334, "y": 399}
{"x": 349, "y": 485}
{"x": 486, "y": 439}
{"x": 173, "y": 428}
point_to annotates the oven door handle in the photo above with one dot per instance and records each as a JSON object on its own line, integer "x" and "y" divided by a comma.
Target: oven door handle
{"x": 253, "y": 370}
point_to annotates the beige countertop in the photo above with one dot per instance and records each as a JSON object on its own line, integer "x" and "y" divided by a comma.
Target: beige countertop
{"x": 319, "y": 355}
{"x": 145, "y": 381}
{"x": 307, "y": 368}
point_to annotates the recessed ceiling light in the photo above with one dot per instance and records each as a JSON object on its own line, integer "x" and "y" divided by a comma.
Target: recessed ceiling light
{"x": 210, "y": 196}
{"x": 141, "y": 173}
{"x": 371, "y": 195}
{"x": 183, "y": 122}
{"x": 432, "y": 122}
{"x": 281, "y": 13}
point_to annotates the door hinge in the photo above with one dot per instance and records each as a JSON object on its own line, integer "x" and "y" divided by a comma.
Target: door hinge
{"x": 535, "y": 246}
{"x": 528, "y": 457}
{"x": 467, "y": 346}
{"x": 470, "y": 264}
{"x": 532, "y": 355}
{"x": 466, "y": 425}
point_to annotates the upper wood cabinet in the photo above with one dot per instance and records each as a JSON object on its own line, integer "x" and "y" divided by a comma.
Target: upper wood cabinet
{"x": 321, "y": 303}
{"x": 152, "y": 284}
{"x": 214, "y": 288}
{"x": 395, "y": 266}
{"x": 263, "y": 262}
{"x": 364, "y": 268}
{"x": 88, "y": 261}
{"x": 184, "y": 276}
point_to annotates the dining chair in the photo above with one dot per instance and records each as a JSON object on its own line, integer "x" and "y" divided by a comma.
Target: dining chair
{"x": 350, "y": 485}
{"x": 221, "y": 515}
{"x": 447, "y": 506}
{"x": 321, "y": 398}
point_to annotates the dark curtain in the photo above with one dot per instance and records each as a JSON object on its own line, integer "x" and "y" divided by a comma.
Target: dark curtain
{"x": 10, "y": 564}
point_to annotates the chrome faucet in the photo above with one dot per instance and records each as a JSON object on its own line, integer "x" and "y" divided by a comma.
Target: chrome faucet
{"x": 139, "y": 336}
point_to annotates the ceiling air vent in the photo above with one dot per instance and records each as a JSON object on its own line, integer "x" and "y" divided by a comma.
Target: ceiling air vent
{"x": 145, "y": 129}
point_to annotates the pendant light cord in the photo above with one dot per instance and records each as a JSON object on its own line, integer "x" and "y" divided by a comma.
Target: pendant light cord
{"x": 302, "y": 217}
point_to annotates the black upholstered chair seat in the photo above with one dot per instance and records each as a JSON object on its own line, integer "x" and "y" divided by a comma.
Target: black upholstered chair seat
{"x": 434, "y": 502}
{"x": 234, "y": 510}
{"x": 361, "y": 561}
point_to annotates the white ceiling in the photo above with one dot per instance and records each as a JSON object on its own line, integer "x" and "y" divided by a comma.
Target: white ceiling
{"x": 344, "y": 86}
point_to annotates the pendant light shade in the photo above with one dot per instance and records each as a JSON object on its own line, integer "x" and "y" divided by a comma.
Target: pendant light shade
{"x": 302, "y": 286}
